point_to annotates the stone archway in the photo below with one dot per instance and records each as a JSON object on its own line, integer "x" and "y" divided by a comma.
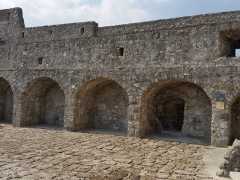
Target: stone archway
{"x": 6, "y": 101}
{"x": 235, "y": 121}
{"x": 43, "y": 103}
{"x": 101, "y": 104}
{"x": 178, "y": 107}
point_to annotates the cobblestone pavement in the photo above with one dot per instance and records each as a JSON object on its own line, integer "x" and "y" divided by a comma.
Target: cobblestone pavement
{"x": 38, "y": 153}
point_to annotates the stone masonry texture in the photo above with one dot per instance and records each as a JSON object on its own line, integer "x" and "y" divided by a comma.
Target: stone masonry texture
{"x": 136, "y": 79}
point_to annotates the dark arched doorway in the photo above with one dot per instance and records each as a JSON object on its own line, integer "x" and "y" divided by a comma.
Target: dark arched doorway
{"x": 6, "y": 101}
{"x": 43, "y": 103}
{"x": 235, "y": 121}
{"x": 101, "y": 104}
{"x": 176, "y": 107}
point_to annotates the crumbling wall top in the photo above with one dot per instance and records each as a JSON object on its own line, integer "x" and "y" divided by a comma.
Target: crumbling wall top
{"x": 173, "y": 23}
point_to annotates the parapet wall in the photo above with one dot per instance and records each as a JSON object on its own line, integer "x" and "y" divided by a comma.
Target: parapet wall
{"x": 173, "y": 24}
{"x": 60, "y": 32}
{"x": 184, "y": 41}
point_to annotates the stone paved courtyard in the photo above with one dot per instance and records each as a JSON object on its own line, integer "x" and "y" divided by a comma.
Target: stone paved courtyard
{"x": 38, "y": 153}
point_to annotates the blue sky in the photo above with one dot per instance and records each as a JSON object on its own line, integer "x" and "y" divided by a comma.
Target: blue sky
{"x": 112, "y": 12}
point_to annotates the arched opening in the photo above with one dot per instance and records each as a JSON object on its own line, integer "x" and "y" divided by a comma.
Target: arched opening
{"x": 43, "y": 103}
{"x": 101, "y": 104}
{"x": 6, "y": 101}
{"x": 235, "y": 121}
{"x": 176, "y": 108}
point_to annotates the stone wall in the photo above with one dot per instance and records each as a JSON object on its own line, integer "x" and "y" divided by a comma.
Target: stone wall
{"x": 79, "y": 57}
{"x": 43, "y": 103}
{"x": 6, "y": 101}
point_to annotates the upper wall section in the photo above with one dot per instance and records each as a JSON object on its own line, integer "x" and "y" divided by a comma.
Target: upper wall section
{"x": 11, "y": 24}
{"x": 174, "y": 23}
{"x": 186, "y": 41}
{"x": 88, "y": 29}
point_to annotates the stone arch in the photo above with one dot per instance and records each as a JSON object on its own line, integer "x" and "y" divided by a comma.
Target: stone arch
{"x": 176, "y": 106}
{"x": 43, "y": 103}
{"x": 101, "y": 104}
{"x": 6, "y": 101}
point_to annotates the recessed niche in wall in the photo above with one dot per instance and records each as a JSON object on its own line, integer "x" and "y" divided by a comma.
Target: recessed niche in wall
{"x": 50, "y": 32}
{"x": 82, "y": 30}
{"x": 120, "y": 51}
{"x": 2, "y": 42}
{"x": 23, "y": 34}
{"x": 40, "y": 60}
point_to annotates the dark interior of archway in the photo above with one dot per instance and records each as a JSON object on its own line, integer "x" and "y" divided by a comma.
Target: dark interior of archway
{"x": 177, "y": 109}
{"x": 6, "y": 102}
{"x": 235, "y": 121}
{"x": 171, "y": 114}
{"x": 44, "y": 104}
{"x": 103, "y": 107}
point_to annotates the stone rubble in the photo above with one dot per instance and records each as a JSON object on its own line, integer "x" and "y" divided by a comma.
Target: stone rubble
{"x": 231, "y": 161}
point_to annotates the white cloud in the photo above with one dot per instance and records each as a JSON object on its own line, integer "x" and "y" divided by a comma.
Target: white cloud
{"x": 107, "y": 12}
{"x": 110, "y": 12}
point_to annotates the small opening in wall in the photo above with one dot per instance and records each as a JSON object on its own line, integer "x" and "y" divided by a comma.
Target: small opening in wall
{"x": 231, "y": 43}
{"x": 23, "y": 34}
{"x": 82, "y": 31}
{"x": 121, "y": 51}
{"x": 237, "y": 52}
{"x": 234, "y": 48}
{"x": 40, "y": 60}
{"x": 2, "y": 42}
